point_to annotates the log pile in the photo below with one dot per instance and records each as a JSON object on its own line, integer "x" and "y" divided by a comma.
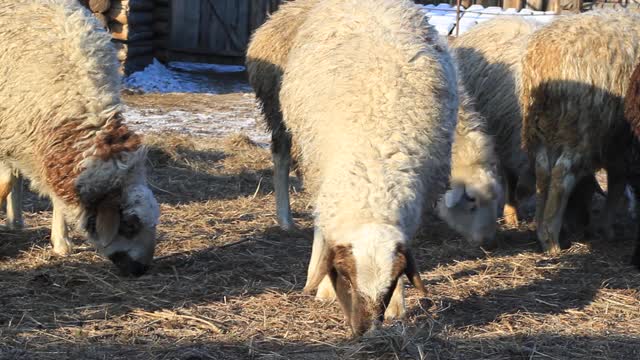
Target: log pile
{"x": 131, "y": 25}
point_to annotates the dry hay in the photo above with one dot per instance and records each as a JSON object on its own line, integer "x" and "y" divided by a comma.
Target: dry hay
{"x": 227, "y": 284}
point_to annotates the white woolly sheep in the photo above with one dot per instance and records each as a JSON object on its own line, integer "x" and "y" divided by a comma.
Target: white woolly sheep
{"x": 575, "y": 74}
{"x": 267, "y": 55}
{"x": 471, "y": 205}
{"x": 369, "y": 95}
{"x": 490, "y": 71}
{"x": 266, "y": 60}
{"x": 62, "y": 128}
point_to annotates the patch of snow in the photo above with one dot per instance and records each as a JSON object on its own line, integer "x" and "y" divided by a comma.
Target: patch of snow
{"x": 186, "y": 78}
{"x": 218, "y": 124}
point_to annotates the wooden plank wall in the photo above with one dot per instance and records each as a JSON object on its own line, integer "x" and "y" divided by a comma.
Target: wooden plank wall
{"x": 215, "y": 28}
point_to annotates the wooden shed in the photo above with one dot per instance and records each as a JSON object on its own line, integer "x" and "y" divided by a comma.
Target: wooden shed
{"x": 208, "y": 30}
{"x": 180, "y": 30}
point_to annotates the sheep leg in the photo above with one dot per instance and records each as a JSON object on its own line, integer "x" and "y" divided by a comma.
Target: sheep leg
{"x": 325, "y": 289}
{"x": 562, "y": 184}
{"x": 281, "y": 154}
{"x": 635, "y": 259}
{"x": 59, "y": 237}
{"x": 542, "y": 189}
{"x": 577, "y": 215}
{"x": 510, "y": 212}
{"x": 396, "y": 308}
{"x": 615, "y": 193}
{"x": 6, "y": 183}
{"x": 14, "y": 205}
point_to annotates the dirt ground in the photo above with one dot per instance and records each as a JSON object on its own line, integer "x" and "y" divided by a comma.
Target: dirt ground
{"x": 226, "y": 283}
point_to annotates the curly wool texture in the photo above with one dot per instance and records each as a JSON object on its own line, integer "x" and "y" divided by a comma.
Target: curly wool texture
{"x": 575, "y": 74}
{"x": 268, "y": 52}
{"x": 59, "y": 118}
{"x": 490, "y": 71}
{"x": 369, "y": 93}
{"x": 474, "y": 161}
{"x": 632, "y": 102}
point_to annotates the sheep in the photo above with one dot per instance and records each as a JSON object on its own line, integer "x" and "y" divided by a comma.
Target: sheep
{"x": 266, "y": 59}
{"x": 575, "y": 74}
{"x": 490, "y": 70}
{"x": 471, "y": 205}
{"x": 632, "y": 114}
{"x": 369, "y": 94}
{"x": 267, "y": 54}
{"x": 62, "y": 128}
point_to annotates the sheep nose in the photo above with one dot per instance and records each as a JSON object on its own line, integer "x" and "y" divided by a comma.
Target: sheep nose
{"x": 128, "y": 266}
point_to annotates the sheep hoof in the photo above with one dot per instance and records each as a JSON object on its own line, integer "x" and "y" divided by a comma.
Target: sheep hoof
{"x": 553, "y": 249}
{"x": 395, "y": 311}
{"x": 63, "y": 247}
{"x": 325, "y": 291}
{"x": 510, "y": 216}
{"x": 287, "y": 225}
{"x": 15, "y": 225}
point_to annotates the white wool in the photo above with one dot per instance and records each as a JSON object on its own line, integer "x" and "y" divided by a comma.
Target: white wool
{"x": 374, "y": 259}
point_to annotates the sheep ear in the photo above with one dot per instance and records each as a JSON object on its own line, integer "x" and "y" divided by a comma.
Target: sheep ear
{"x": 107, "y": 224}
{"x": 411, "y": 270}
{"x": 453, "y": 196}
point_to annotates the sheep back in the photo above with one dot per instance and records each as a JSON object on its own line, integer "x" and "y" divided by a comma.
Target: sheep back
{"x": 574, "y": 77}
{"x": 60, "y": 100}
{"x": 369, "y": 93}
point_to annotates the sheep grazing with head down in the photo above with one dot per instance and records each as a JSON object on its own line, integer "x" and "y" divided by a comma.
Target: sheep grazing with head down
{"x": 472, "y": 213}
{"x": 632, "y": 114}
{"x": 267, "y": 55}
{"x": 575, "y": 74}
{"x": 369, "y": 95}
{"x": 471, "y": 205}
{"x": 490, "y": 70}
{"x": 62, "y": 128}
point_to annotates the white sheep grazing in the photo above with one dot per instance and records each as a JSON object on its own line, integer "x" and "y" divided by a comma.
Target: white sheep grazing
{"x": 472, "y": 213}
{"x": 62, "y": 129}
{"x": 575, "y": 74}
{"x": 489, "y": 63}
{"x": 471, "y": 205}
{"x": 369, "y": 95}
{"x": 267, "y": 55}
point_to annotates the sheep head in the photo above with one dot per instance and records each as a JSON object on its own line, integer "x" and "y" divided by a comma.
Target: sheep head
{"x": 122, "y": 227}
{"x": 365, "y": 267}
{"x": 472, "y": 211}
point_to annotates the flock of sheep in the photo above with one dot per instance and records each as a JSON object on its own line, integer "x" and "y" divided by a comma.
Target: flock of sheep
{"x": 385, "y": 120}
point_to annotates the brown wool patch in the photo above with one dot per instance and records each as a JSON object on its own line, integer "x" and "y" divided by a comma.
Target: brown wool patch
{"x": 116, "y": 138}
{"x": 60, "y": 160}
{"x": 61, "y": 155}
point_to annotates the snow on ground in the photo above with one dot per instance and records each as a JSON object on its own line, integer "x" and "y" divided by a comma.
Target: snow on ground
{"x": 240, "y": 116}
{"x": 228, "y": 107}
{"x": 182, "y": 77}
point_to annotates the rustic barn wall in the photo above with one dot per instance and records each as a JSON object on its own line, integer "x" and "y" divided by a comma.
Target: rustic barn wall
{"x": 213, "y": 30}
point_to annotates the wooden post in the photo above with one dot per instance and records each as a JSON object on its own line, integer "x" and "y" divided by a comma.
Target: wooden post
{"x": 458, "y": 18}
{"x": 554, "y": 5}
{"x": 512, "y": 4}
{"x": 535, "y": 5}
